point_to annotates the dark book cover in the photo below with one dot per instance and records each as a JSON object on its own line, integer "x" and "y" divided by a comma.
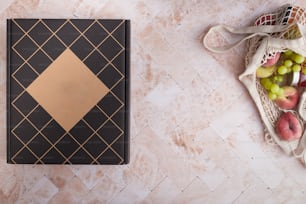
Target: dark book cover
{"x": 68, "y": 91}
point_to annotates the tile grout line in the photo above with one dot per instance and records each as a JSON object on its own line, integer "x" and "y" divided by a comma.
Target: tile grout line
{"x": 240, "y": 159}
{"x": 159, "y": 183}
{"x": 240, "y": 194}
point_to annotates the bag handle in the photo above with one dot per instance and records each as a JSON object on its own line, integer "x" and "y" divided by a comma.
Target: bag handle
{"x": 300, "y": 149}
{"x": 263, "y": 30}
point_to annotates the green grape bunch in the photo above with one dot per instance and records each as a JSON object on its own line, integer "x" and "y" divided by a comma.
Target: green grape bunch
{"x": 281, "y": 74}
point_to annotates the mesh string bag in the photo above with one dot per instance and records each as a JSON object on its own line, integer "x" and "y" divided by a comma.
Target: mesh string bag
{"x": 272, "y": 33}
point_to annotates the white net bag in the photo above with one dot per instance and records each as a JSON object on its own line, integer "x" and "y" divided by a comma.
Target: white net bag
{"x": 275, "y": 34}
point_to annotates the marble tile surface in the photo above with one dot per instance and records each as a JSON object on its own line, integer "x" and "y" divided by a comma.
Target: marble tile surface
{"x": 196, "y": 136}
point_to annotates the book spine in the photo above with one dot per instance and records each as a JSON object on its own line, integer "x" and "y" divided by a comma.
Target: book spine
{"x": 8, "y": 96}
{"x": 127, "y": 92}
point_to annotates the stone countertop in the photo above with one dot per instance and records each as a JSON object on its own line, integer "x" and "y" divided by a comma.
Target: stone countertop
{"x": 196, "y": 136}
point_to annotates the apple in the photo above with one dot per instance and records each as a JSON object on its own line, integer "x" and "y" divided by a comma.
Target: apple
{"x": 288, "y": 127}
{"x": 272, "y": 61}
{"x": 264, "y": 72}
{"x": 289, "y": 99}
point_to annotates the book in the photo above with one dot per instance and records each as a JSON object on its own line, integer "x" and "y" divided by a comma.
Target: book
{"x": 68, "y": 91}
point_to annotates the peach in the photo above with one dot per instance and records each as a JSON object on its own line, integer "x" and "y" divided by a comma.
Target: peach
{"x": 288, "y": 127}
{"x": 272, "y": 61}
{"x": 289, "y": 99}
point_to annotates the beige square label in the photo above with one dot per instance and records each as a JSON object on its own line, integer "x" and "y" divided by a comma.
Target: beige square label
{"x": 67, "y": 89}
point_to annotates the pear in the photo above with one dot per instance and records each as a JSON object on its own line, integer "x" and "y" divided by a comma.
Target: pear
{"x": 264, "y": 72}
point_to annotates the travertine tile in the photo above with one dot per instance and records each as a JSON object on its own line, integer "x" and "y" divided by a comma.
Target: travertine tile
{"x": 119, "y": 174}
{"x": 32, "y": 174}
{"x": 5, "y": 173}
{"x": 158, "y": 195}
{"x": 296, "y": 174}
{"x": 11, "y": 185}
{"x": 211, "y": 78}
{"x": 243, "y": 144}
{"x": 60, "y": 175}
{"x": 145, "y": 165}
{"x": 169, "y": 162}
{"x": 141, "y": 61}
{"x": 287, "y": 192}
{"x": 89, "y": 175}
{"x": 42, "y": 191}
{"x": 232, "y": 187}
{"x": 103, "y": 192}
{"x": 196, "y": 192}
{"x": 235, "y": 116}
{"x": 212, "y": 175}
{"x": 162, "y": 94}
{"x": 88, "y": 9}
{"x": 189, "y": 114}
{"x": 196, "y": 136}
{"x": 4, "y": 4}
{"x": 257, "y": 192}
{"x": 146, "y": 99}
{"x": 11, "y": 189}
{"x": 72, "y": 192}
{"x": 135, "y": 191}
